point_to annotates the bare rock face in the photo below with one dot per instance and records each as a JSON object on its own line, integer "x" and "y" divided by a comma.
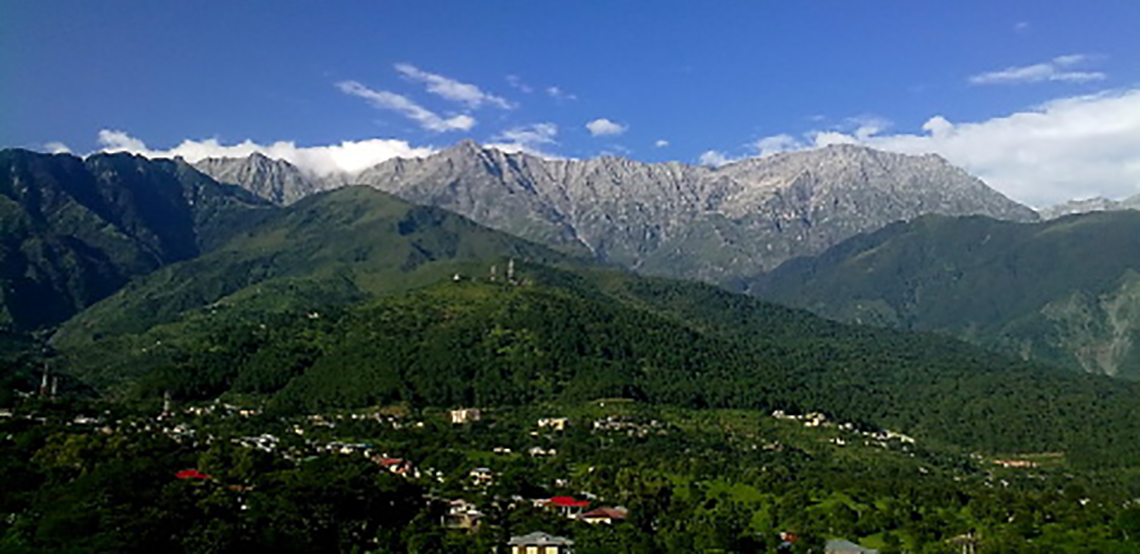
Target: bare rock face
{"x": 717, "y": 225}
{"x": 1097, "y": 204}
{"x": 275, "y": 180}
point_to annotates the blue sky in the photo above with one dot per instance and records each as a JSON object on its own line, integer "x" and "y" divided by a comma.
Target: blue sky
{"x": 1041, "y": 99}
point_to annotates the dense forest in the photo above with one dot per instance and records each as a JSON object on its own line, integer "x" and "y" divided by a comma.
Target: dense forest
{"x": 1062, "y": 291}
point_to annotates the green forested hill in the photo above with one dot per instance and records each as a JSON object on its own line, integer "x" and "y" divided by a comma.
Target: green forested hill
{"x": 73, "y": 231}
{"x": 331, "y": 248}
{"x": 570, "y": 335}
{"x": 1065, "y": 291}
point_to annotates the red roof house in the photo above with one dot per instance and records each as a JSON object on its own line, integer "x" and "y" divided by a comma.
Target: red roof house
{"x": 191, "y": 474}
{"x": 567, "y": 506}
{"x": 605, "y": 515}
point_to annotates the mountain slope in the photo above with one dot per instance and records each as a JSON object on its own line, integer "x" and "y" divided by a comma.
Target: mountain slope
{"x": 73, "y": 231}
{"x": 672, "y": 219}
{"x": 1066, "y": 291}
{"x": 340, "y": 246}
{"x": 274, "y": 180}
{"x": 577, "y": 334}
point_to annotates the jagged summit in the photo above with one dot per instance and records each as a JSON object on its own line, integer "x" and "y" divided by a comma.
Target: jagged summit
{"x": 666, "y": 218}
{"x": 275, "y": 180}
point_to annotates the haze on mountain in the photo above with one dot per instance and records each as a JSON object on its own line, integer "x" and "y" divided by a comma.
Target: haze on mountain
{"x": 696, "y": 222}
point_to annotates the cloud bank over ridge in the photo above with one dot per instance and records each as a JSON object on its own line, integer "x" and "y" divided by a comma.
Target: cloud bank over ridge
{"x": 348, "y": 156}
{"x": 1067, "y": 148}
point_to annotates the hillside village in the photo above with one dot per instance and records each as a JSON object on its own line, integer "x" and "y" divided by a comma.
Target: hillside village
{"x": 486, "y": 474}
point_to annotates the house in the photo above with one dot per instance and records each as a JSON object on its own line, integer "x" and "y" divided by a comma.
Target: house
{"x": 462, "y": 514}
{"x": 567, "y": 506}
{"x": 839, "y": 546}
{"x": 540, "y": 543}
{"x": 554, "y": 423}
{"x": 605, "y": 515}
{"x": 481, "y": 476}
{"x": 191, "y": 474}
{"x": 465, "y": 415}
{"x": 399, "y": 466}
{"x": 787, "y": 541}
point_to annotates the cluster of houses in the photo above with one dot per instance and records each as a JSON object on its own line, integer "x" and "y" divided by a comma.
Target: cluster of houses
{"x": 872, "y": 438}
{"x": 540, "y": 542}
{"x": 264, "y": 442}
{"x": 629, "y": 426}
{"x": 1016, "y": 463}
{"x": 210, "y": 409}
{"x": 463, "y": 514}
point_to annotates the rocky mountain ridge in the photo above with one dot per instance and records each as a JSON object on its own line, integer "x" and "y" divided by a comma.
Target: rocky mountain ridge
{"x": 714, "y": 224}
{"x": 1087, "y": 205}
{"x": 73, "y": 230}
{"x": 278, "y": 181}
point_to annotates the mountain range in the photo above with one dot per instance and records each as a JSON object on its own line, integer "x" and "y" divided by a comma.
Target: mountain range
{"x": 733, "y": 224}
{"x": 671, "y": 219}
{"x": 354, "y": 296}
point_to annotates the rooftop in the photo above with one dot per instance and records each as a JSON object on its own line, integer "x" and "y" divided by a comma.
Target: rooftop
{"x": 539, "y": 538}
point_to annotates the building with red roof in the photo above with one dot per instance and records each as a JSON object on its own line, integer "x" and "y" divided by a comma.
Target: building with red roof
{"x": 605, "y": 515}
{"x": 567, "y": 506}
{"x": 191, "y": 474}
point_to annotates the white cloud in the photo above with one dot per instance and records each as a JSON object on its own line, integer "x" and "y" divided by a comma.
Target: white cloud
{"x": 868, "y": 125}
{"x": 1068, "y": 148}
{"x": 1021, "y": 26}
{"x": 714, "y": 158}
{"x": 347, "y": 156}
{"x": 559, "y": 94}
{"x": 450, "y": 89}
{"x": 528, "y": 138}
{"x": 119, "y": 141}
{"x": 385, "y": 100}
{"x": 1070, "y": 59}
{"x": 516, "y": 82}
{"x": 1052, "y": 70}
{"x": 661, "y": 143}
{"x": 776, "y": 144}
{"x": 616, "y": 150}
{"x": 516, "y": 148}
{"x": 530, "y": 135}
{"x": 57, "y": 148}
{"x": 853, "y": 130}
{"x": 605, "y": 127}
